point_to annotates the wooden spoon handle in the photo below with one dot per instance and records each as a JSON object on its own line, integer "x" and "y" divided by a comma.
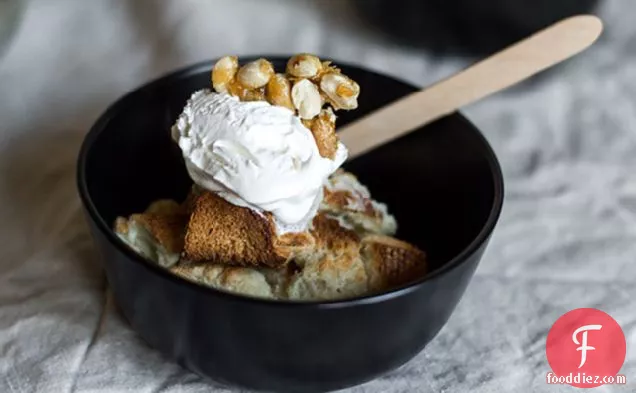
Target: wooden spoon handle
{"x": 497, "y": 72}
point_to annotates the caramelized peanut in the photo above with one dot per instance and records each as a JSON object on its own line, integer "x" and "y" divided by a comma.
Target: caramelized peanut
{"x": 223, "y": 73}
{"x": 304, "y": 65}
{"x": 323, "y": 128}
{"x": 306, "y": 99}
{"x": 245, "y": 94}
{"x": 255, "y": 74}
{"x": 341, "y": 91}
{"x": 278, "y": 92}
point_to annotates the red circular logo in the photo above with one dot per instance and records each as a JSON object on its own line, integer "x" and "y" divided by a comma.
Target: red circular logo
{"x": 585, "y": 348}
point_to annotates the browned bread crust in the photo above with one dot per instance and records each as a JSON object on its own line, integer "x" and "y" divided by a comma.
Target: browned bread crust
{"x": 234, "y": 248}
{"x": 391, "y": 262}
{"x": 164, "y": 219}
{"x": 342, "y": 200}
{"x": 332, "y": 238}
{"x": 290, "y": 245}
{"x": 166, "y": 228}
{"x": 220, "y": 232}
{"x": 333, "y": 268}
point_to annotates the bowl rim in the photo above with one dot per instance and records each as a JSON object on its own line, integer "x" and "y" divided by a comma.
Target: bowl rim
{"x": 112, "y": 110}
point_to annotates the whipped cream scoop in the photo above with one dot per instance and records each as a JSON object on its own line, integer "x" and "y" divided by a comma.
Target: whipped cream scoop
{"x": 255, "y": 155}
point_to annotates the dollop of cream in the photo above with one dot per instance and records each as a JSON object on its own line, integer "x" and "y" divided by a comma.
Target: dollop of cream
{"x": 255, "y": 155}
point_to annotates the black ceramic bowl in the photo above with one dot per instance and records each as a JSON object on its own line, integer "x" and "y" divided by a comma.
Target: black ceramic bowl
{"x": 443, "y": 183}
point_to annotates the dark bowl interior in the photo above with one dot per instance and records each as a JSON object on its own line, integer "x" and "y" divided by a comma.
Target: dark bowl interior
{"x": 443, "y": 184}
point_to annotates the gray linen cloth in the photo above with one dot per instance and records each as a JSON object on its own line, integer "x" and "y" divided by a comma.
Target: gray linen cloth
{"x": 566, "y": 239}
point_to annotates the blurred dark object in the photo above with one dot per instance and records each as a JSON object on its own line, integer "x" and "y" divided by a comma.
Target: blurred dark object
{"x": 466, "y": 27}
{"x": 10, "y": 15}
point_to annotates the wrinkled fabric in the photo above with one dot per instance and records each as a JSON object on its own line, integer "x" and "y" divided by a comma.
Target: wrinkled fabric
{"x": 566, "y": 238}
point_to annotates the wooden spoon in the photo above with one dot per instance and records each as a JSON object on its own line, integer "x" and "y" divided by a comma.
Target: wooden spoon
{"x": 512, "y": 65}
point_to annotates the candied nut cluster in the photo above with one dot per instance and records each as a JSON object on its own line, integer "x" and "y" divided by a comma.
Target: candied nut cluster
{"x": 312, "y": 88}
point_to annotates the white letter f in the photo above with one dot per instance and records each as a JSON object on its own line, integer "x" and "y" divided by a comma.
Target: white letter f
{"x": 584, "y": 347}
